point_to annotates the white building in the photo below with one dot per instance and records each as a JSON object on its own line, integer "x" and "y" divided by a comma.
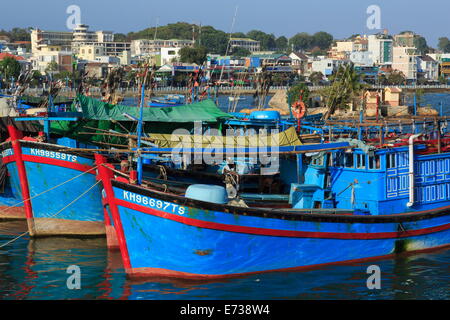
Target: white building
{"x": 145, "y": 47}
{"x": 325, "y": 65}
{"x": 428, "y": 68}
{"x": 361, "y": 58}
{"x": 381, "y": 48}
{"x": 73, "y": 41}
{"x": 41, "y": 61}
{"x": 169, "y": 55}
{"x": 246, "y": 43}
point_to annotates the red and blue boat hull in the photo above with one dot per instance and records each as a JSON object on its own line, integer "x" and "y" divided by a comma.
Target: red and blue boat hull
{"x": 172, "y": 236}
{"x": 52, "y": 183}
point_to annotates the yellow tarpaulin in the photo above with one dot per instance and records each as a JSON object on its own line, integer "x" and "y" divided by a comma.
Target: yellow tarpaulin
{"x": 282, "y": 139}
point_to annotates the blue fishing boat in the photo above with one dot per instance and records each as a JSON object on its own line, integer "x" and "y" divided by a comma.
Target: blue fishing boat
{"x": 171, "y": 100}
{"x": 58, "y": 187}
{"x": 345, "y": 206}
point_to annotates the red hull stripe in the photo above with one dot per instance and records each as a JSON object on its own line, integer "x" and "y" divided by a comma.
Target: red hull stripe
{"x": 50, "y": 161}
{"x": 278, "y": 232}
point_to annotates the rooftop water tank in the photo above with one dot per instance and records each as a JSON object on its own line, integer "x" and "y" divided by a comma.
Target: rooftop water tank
{"x": 265, "y": 115}
{"x": 208, "y": 193}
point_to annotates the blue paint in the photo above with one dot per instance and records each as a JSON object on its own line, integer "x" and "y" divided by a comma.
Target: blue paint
{"x": 155, "y": 242}
{"x": 42, "y": 177}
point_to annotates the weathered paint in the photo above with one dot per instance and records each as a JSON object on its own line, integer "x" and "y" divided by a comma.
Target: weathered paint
{"x": 46, "y": 168}
{"x": 160, "y": 240}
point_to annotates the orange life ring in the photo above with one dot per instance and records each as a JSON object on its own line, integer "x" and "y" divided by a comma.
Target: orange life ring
{"x": 298, "y": 109}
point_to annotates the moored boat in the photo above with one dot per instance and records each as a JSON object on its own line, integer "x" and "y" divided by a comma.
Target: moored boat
{"x": 202, "y": 235}
{"x": 59, "y": 190}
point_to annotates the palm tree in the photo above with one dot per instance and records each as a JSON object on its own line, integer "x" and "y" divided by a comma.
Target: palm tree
{"x": 345, "y": 89}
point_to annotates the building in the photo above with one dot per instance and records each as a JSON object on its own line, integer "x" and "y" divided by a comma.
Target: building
{"x": 361, "y": 58}
{"x": 146, "y": 47}
{"x": 41, "y": 39}
{"x": 381, "y": 47}
{"x": 246, "y": 43}
{"x": 91, "y": 52}
{"x": 299, "y": 62}
{"x": 97, "y": 70}
{"x": 405, "y": 60}
{"x": 427, "y": 68}
{"x": 82, "y": 37}
{"x": 360, "y": 43}
{"x": 326, "y": 66}
{"x": 392, "y": 96}
{"x": 368, "y": 73}
{"x": 4, "y": 55}
{"x": 73, "y": 41}
{"x": 41, "y": 60}
{"x": 169, "y": 55}
{"x": 445, "y": 68}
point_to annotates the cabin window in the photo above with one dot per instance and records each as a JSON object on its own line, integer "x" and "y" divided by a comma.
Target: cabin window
{"x": 374, "y": 162}
{"x": 349, "y": 160}
{"x": 390, "y": 159}
{"x": 361, "y": 161}
{"x": 338, "y": 159}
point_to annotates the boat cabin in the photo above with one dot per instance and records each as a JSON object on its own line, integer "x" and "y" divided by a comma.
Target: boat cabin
{"x": 371, "y": 181}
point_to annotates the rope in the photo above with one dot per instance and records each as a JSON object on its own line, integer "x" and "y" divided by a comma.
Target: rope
{"x": 48, "y": 190}
{"x": 54, "y": 215}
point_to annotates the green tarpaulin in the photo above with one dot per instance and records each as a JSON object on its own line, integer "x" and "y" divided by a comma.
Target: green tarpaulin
{"x": 205, "y": 111}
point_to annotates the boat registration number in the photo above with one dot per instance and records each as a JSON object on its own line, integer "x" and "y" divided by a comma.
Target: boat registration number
{"x": 53, "y": 155}
{"x": 153, "y": 203}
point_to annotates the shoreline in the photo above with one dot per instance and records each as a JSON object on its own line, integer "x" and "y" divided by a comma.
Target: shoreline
{"x": 95, "y": 92}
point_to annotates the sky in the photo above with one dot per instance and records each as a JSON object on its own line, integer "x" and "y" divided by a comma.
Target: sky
{"x": 341, "y": 18}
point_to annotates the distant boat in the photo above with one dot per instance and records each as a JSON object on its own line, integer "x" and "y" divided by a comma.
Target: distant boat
{"x": 235, "y": 98}
{"x": 171, "y": 100}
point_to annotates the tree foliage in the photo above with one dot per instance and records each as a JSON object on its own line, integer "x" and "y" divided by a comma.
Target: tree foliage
{"x": 299, "y": 89}
{"x": 345, "y": 88}
{"x": 444, "y": 44}
{"x": 193, "y": 55}
{"x": 17, "y": 34}
{"x": 396, "y": 77}
{"x": 9, "y": 67}
{"x": 305, "y": 41}
{"x": 240, "y": 52}
{"x": 421, "y": 44}
{"x": 315, "y": 77}
{"x": 282, "y": 43}
{"x": 267, "y": 40}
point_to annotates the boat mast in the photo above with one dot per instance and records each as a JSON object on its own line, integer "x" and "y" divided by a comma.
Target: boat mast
{"x": 228, "y": 48}
{"x": 140, "y": 125}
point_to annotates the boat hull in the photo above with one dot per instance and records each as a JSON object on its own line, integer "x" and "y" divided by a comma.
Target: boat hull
{"x": 55, "y": 182}
{"x": 171, "y": 236}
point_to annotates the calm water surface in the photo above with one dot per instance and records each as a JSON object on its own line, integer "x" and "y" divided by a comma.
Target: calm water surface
{"x": 37, "y": 269}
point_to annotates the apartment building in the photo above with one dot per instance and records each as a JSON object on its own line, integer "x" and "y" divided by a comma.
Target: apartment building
{"x": 405, "y": 60}
{"x": 144, "y": 47}
{"x": 246, "y": 43}
{"x": 381, "y": 48}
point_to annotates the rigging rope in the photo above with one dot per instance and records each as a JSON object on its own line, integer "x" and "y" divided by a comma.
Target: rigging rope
{"x": 48, "y": 190}
{"x": 54, "y": 215}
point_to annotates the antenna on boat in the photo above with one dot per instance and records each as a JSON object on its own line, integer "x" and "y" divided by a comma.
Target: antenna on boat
{"x": 228, "y": 47}
{"x": 140, "y": 122}
{"x": 156, "y": 28}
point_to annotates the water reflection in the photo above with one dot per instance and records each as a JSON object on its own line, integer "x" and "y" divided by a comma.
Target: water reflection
{"x": 36, "y": 269}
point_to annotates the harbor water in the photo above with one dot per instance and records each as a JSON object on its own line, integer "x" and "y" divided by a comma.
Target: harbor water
{"x": 41, "y": 269}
